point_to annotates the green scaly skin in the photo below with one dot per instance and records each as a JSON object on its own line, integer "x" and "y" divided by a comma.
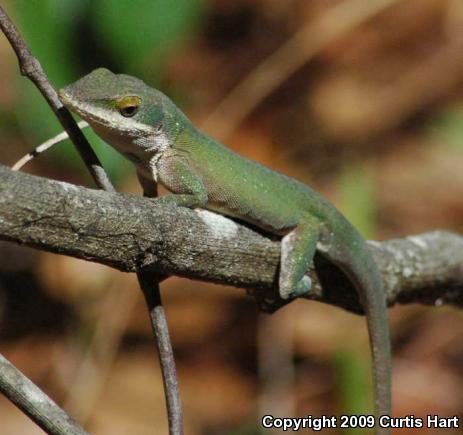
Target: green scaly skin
{"x": 147, "y": 128}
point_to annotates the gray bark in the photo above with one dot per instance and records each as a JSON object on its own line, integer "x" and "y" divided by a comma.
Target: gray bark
{"x": 35, "y": 403}
{"x": 132, "y": 233}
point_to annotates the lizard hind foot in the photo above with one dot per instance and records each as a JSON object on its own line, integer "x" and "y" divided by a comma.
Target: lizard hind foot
{"x": 297, "y": 251}
{"x": 302, "y": 288}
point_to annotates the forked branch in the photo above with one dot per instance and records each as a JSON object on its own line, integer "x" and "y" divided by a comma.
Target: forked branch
{"x": 31, "y": 68}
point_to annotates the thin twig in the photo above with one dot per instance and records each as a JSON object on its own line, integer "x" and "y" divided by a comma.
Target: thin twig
{"x": 161, "y": 331}
{"x": 31, "y": 68}
{"x": 34, "y": 402}
{"x": 149, "y": 283}
{"x": 61, "y": 137}
{"x": 292, "y": 55}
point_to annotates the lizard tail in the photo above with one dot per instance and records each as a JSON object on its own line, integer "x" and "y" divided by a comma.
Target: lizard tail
{"x": 363, "y": 272}
{"x": 371, "y": 291}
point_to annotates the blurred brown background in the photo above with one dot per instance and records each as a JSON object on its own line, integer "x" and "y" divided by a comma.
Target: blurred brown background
{"x": 361, "y": 99}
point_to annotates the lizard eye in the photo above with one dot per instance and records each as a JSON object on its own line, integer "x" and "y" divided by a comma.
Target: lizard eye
{"x": 128, "y": 106}
{"x": 128, "y": 111}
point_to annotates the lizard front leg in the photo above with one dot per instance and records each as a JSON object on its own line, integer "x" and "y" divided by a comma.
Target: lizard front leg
{"x": 179, "y": 178}
{"x": 297, "y": 251}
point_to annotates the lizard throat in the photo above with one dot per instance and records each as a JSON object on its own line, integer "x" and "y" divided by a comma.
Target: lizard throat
{"x": 161, "y": 145}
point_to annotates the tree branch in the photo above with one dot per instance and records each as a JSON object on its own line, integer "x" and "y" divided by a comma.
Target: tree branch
{"x": 131, "y": 233}
{"x": 31, "y": 68}
{"x": 34, "y": 402}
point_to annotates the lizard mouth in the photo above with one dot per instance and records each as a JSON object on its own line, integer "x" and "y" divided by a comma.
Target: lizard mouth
{"x": 72, "y": 104}
{"x": 66, "y": 99}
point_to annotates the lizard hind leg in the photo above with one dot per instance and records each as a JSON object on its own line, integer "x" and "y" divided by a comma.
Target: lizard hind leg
{"x": 297, "y": 251}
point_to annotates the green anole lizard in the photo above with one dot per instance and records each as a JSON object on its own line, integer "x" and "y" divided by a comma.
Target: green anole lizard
{"x": 147, "y": 128}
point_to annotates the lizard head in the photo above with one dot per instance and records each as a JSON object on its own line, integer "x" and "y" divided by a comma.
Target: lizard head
{"x": 128, "y": 114}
